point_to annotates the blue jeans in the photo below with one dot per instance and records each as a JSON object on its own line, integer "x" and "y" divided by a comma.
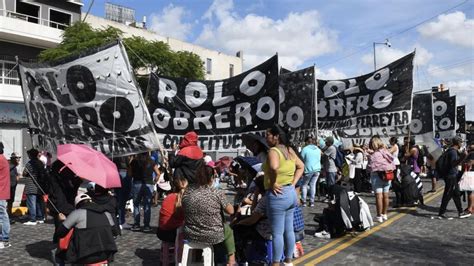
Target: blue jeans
{"x": 331, "y": 179}
{"x": 309, "y": 179}
{"x": 142, "y": 193}
{"x": 4, "y": 221}
{"x": 123, "y": 195}
{"x": 35, "y": 206}
{"x": 280, "y": 211}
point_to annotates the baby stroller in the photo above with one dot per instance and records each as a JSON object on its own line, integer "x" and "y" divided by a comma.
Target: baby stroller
{"x": 407, "y": 187}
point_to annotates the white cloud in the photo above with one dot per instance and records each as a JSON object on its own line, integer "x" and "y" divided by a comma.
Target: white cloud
{"x": 454, "y": 28}
{"x": 386, "y": 55}
{"x": 464, "y": 91}
{"x": 169, "y": 22}
{"x": 331, "y": 74}
{"x": 297, "y": 37}
{"x": 451, "y": 70}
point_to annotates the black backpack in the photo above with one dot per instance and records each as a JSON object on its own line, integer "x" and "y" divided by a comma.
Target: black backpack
{"x": 443, "y": 165}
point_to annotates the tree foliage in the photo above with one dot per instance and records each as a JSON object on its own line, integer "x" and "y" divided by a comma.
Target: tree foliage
{"x": 142, "y": 53}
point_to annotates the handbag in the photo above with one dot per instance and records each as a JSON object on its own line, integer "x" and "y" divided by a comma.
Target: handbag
{"x": 467, "y": 181}
{"x": 388, "y": 175}
{"x": 64, "y": 241}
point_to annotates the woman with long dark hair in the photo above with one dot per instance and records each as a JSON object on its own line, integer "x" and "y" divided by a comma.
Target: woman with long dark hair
{"x": 282, "y": 169}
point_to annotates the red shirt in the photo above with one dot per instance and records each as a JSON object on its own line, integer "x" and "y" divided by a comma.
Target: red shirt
{"x": 4, "y": 178}
{"x": 170, "y": 220}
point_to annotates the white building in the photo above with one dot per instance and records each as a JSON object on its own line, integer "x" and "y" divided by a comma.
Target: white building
{"x": 217, "y": 65}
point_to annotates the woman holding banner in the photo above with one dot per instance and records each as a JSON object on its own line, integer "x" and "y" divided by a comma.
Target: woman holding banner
{"x": 380, "y": 161}
{"x": 281, "y": 168}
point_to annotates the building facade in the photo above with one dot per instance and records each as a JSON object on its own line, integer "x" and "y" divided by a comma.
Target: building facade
{"x": 26, "y": 28}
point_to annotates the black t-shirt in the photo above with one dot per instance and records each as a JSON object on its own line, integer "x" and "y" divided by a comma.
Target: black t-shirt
{"x": 453, "y": 156}
{"x": 142, "y": 171}
{"x": 13, "y": 174}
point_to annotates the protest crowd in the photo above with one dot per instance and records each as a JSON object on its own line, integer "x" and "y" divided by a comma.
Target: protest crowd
{"x": 262, "y": 224}
{"x": 87, "y": 176}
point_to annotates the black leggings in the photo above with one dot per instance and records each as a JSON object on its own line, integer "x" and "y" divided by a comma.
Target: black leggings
{"x": 451, "y": 190}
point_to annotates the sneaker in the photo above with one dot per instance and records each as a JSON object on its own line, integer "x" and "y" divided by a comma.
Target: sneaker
{"x": 30, "y": 223}
{"x": 384, "y": 217}
{"x": 135, "y": 228}
{"x": 147, "y": 229}
{"x": 322, "y": 234}
{"x": 444, "y": 217}
{"x": 40, "y": 221}
{"x": 303, "y": 205}
{"x": 326, "y": 201}
{"x": 311, "y": 205}
{"x": 463, "y": 215}
{"x": 5, "y": 244}
{"x": 379, "y": 219}
{"x": 125, "y": 226}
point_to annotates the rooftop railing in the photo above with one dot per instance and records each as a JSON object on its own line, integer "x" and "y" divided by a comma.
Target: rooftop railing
{"x": 33, "y": 19}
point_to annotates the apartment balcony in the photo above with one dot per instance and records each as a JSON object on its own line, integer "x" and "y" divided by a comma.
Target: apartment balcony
{"x": 29, "y": 30}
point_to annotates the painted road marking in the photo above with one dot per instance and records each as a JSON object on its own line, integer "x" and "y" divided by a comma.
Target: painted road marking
{"x": 352, "y": 240}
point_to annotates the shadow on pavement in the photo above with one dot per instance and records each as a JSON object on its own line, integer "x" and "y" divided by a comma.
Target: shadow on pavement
{"x": 148, "y": 256}
{"x": 41, "y": 249}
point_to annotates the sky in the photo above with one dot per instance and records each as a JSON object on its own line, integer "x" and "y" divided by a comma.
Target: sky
{"x": 335, "y": 36}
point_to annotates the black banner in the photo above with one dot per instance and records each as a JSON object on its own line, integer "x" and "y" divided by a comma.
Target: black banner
{"x": 92, "y": 99}
{"x": 298, "y": 103}
{"x": 379, "y": 99}
{"x": 461, "y": 119}
{"x": 244, "y": 103}
{"x": 444, "y": 111}
{"x": 421, "y": 123}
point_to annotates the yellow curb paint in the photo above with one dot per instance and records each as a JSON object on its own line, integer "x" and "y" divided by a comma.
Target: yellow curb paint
{"x": 345, "y": 245}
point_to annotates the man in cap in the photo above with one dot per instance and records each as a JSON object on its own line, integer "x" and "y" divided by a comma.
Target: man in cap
{"x": 4, "y": 196}
{"x": 14, "y": 177}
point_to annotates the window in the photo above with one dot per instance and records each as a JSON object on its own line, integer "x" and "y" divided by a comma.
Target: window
{"x": 59, "y": 19}
{"x": 209, "y": 66}
{"x": 231, "y": 70}
{"x": 28, "y": 12}
{"x": 8, "y": 73}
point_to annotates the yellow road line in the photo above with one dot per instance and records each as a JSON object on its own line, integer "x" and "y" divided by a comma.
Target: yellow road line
{"x": 355, "y": 239}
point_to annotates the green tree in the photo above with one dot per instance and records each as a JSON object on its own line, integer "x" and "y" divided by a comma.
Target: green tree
{"x": 142, "y": 54}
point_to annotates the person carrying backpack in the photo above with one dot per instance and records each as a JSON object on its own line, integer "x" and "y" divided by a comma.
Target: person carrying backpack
{"x": 447, "y": 167}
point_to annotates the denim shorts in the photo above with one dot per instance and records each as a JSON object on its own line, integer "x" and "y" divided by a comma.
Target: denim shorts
{"x": 379, "y": 185}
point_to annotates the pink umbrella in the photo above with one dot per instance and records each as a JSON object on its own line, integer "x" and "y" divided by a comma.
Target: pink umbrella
{"x": 89, "y": 164}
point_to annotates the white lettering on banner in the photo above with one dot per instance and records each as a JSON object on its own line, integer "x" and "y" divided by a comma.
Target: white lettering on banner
{"x": 220, "y": 116}
{"x": 202, "y": 117}
{"x": 333, "y": 88}
{"x": 167, "y": 89}
{"x": 295, "y": 117}
{"x": 382, "y": 99}
{"x": 368, "y": 121}
{"x": 161, "y": 118}
{"x": 265, "y": 108}
{"x": 218, "y": 98}
{"x": 353, "y": 88}
{"x": 378, "y": 79}
{"x": 195, "y": 94}
{"x": 181, "y": 120}
{"x": 242, "y": 110}
{"x": 73, "y": 102}
{"x": 252, "y": 83}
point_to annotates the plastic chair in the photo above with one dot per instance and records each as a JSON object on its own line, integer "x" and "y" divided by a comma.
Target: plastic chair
{"x": 207, "y": 253}
{"x": 166, "y": 247}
